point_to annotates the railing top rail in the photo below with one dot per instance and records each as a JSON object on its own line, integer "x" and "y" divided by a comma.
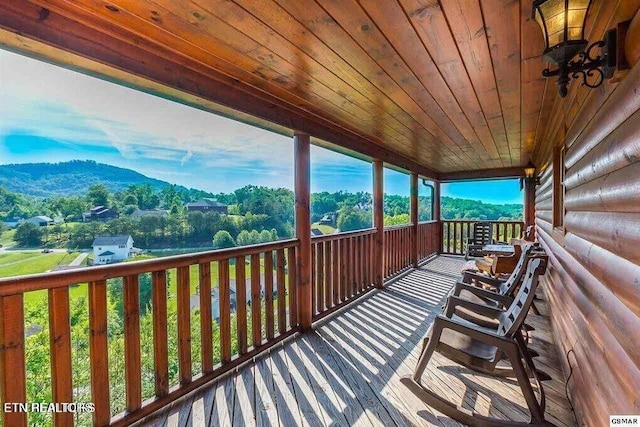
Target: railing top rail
{"x": 56, "y": 279}
{"x": 431, "y": 221}
{"x": 397, "y": 227}
{"x": 344, "y": 235}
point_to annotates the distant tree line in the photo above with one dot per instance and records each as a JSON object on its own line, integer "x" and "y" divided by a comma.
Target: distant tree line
{"x": 256, "y": 215}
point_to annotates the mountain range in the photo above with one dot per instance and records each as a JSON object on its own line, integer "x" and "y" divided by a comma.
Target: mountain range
{"x": 69, "y": 178}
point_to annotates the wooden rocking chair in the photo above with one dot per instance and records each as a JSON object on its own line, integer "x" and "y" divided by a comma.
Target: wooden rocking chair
{"x": 481, "y": 348}
{"x": 499, "y": 295}
{"x": 482, "y": 235}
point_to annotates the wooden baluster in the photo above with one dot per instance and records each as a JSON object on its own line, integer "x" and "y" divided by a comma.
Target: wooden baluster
{"x": 60, "y": 348}
{"x": 397, "y": 251}
{"x": 293, "y": 289}
{"x": 337, "y": 268}
{"x": 359, "y": 262}
{"x": 314, "y": 278}
{"x": 132, "y": 372}
{"x": 320, "y": 279}
{"x": 268, "y": 293}
{"x": 13, "y": 387}
{"x": 352, "y": 267}
{"x": 241, "y": 304}
{"x": 359, "y": 253}
{"x": 160, "y": 340}
{"x": 328, "y": 285}
{"x": 98, "y": 353}
{"x": 184, "y": 325}
{"x": 394, "y": 252}
{"x": 351, "y": 242}
{"x": 344, "y": 267}
{"x": 282, "y": 314}
{"x": 225, "y": 311}
{"x": 454, "y": 238}
{"x": 367, "y": 261}
{"x": 206, "y": 322}
{"x": 256, "y": 301}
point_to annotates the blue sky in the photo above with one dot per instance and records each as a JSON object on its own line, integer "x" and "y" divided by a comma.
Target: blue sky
{"x": 50, "y": 114}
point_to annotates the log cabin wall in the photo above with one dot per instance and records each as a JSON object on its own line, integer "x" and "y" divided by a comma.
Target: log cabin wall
{"x": 593, "y": 283}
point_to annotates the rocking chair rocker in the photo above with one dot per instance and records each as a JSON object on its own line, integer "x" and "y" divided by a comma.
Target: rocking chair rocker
{"x": 480, "y": 349}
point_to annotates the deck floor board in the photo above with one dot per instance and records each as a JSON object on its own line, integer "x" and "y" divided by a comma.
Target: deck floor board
{"x": 347, "y": 371}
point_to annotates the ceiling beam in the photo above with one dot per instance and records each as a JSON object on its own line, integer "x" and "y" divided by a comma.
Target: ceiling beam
{"x": 482, "y": 174}
{"x": 166, "y": 74}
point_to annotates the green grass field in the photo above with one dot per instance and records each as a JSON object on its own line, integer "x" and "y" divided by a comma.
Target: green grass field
{"x": 6, "y": 240}
{"x": 326, "y": 229}
{"x": 22, "y": 263}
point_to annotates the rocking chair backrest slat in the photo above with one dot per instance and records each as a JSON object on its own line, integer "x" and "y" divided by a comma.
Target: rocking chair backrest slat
{"x": 482, "y": 233}
{"x": 511, "y": 320}
{"x": 509, "y": 286}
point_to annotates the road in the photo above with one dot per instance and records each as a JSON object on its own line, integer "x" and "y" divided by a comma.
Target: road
{"x": 76, "y": 262}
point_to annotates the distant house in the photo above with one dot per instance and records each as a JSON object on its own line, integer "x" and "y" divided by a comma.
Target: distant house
{"x": 207, "y": 205}
{"x": 138, "y": 213}
{"x": 108, "y": 249}
{"x": 328, "y": 219}
{"x": 40, "y": 220}
{"x": 11, "y": 223}
{"x": 99, "y": 213}
{"x": 316, "y": 232}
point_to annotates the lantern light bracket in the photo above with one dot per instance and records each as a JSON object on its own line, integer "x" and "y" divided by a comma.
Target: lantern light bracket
{"x": 593, "y": 69}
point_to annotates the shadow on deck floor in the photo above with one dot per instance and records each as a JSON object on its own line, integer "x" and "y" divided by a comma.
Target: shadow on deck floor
{"x": 346, "y": 372}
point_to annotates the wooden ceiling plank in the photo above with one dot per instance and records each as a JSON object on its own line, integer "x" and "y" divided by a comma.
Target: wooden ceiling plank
{"x": 244, "y": 21}
{"x": 291, "y": 29}
{"x": 395, "y": 26}
{"x": 431, "y": 26}
{"x": 465, "y": 22}
{"x": 72, "y": 36}
{"x": 502, "y": 23}
{"x": 352, "y": 19}
{"x": 316, "y": 20}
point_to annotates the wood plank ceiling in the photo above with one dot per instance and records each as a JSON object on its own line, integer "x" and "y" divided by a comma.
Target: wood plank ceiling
{"x": 452, "y": 85}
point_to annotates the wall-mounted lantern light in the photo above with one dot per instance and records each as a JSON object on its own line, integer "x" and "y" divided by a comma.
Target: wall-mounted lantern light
{"x": 529, "y": 175}
{"x": 562, "y": 24}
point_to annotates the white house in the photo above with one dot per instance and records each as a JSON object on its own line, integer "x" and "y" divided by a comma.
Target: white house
{"x": 108, "y": 249}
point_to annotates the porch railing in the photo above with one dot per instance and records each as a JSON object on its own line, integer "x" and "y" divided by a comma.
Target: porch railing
{"x": 342, "y": 268}
{"x": 261, "y": 273}
{"x": 428, "y": 239}
{"x": 456, "y": 232}
{"x": 246, "y": 302}
{"x": 397, "y": 249}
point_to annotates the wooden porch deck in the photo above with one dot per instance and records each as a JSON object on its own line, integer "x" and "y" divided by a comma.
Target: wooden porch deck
{"x": 346, "y": 372}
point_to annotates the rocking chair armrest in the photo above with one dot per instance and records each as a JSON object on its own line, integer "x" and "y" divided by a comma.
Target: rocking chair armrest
{"x": 476, "y": 332}
{"x": 453, "y": 302}
{"x": 468, "y": 276}
{"x": 482, "y": 293}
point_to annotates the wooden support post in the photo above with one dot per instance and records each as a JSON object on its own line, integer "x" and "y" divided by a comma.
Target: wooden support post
{"x": 414, "y": 220}
{"x": 529, "y": 202}
{"x": 378, "y": 221}
{"x": 436, "y": 216}
{"x": 303, "y": 228}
